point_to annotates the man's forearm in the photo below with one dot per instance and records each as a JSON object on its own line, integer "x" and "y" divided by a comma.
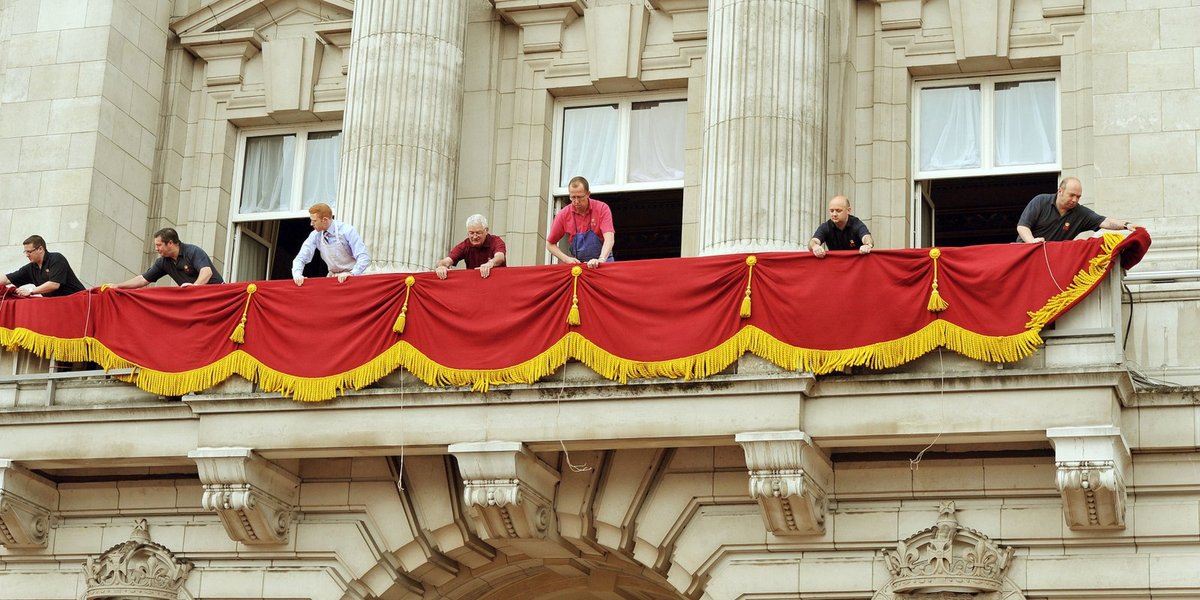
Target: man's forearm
{"x": 498, "y": 259}
{"x": 204, "y": 276}
{"x": 1025, "y": 233}
{"x": 610, "y": 238}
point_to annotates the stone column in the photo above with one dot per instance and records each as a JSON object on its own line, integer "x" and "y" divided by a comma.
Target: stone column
{"x": 764, "y": 125}
{"x": 401, "y": 129}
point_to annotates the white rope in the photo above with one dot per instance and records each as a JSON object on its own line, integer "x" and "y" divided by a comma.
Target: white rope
{"x": 580, "y": 468}
{"x": 1049, "y": 270}
{"x": 915, "y": 463}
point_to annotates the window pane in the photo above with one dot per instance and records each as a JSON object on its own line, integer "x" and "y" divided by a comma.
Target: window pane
{"x": 656, "y": 141}
{"x": 1026, "y": 123}
{"x": 950, "y": 128}
{"x": 322, "y": 165}
{"x": 267, "y": 179}
{"x": 589, "y": 144}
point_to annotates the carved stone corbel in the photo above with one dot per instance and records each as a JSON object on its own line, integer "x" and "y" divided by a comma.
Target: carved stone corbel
{"x": 689, "y": 18}
{"x": 25, "y": 504}
{"x": 541, "y": 21}
{"x": 509, "y": 492}
{"x": 253, "y": 496}
{"x": 899, "y": 14}
{"x": 788, "y": 478}
{"x": 1091, "y": 463}
{"x": 224, "y": 52}
{"x": 336, "y": 34}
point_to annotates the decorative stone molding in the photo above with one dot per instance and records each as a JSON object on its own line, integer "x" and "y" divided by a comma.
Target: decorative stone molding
{"x": 947, "y": 561}
{"x": 788, "y": 479}
{"x": 900, "y": 14}
{"x": 616, "y": 36}
{"x": 508, "y": 491}
{"x": 1091, "y": 463}
{"x": 224, "y": 52}
{"x": 253, "y": 496}
{"x": 1062, "y": 8}
{"x": 541, "y": 22}
{"x": 336, "y": 34}
{"x": 689, "y": 18}
{"x": 137, "y": 568}
{"x": 25, "y": 504}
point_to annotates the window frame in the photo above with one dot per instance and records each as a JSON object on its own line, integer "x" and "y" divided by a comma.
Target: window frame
{"x": 987, "y": 134}
{"x": 239, "y": 168}
{"x": 624, "y": 104}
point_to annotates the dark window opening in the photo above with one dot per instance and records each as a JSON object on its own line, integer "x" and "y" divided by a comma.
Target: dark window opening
{"x": 292, "y": 233}
{"x": 648, "y": 224}
{"x": 969, "y": 211}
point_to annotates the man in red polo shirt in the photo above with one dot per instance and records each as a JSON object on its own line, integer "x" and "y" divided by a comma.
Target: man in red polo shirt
{"x": 589, "y": 225}
{"x": 481, "y": 250}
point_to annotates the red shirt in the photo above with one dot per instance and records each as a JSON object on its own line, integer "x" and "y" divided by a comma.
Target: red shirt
{"x": 568, "y": 222}
{"x": 477, "y": 255}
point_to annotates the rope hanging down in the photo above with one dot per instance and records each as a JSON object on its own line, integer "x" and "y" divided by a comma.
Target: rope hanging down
{"x": 401, "y": 320}
{"x": 750, "y": 262}
{"x": 239, "y": 333}
{"x": 936, "y": 303}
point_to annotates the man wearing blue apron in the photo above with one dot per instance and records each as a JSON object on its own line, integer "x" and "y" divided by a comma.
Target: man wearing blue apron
{"x": 589, "y": 224}
{"x": 341, "y": 247}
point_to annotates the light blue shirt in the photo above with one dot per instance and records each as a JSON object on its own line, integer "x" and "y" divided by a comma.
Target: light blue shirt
{"x": 340, "y": 236}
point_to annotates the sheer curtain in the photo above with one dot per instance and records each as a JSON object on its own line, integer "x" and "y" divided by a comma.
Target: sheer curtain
{"x": 1026, "y": 122}
{"x": 950, "y": 128}
{"x": 589, "y": 144}
{"x": 267, "y": 176}
{"x": 656, "y": 141}
{"x": 322, "y": 165}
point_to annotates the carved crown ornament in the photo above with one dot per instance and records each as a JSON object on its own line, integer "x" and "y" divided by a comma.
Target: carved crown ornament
{"x": 136, "y": 568}
{"x": 947, "y": 560}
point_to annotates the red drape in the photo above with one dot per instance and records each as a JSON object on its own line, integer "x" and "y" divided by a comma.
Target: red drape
{"x": 673, "y": 317}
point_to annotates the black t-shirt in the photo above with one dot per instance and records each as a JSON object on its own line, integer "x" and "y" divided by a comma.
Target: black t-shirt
{"x": 185, "y": 268}
{"x": 1042, "y": 218}
{"x": 54, "y": 268}
{"x": 850, "y": 238}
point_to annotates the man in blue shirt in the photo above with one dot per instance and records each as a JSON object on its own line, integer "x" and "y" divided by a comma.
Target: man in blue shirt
{"x": 1057, "y": 217}
{"x": 186, "y": 264}
{"x": 843, "y": 231}
{"x": 341, "y": 247}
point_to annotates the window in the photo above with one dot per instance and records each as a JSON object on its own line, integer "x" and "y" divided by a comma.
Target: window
{"x": 279, "y": 174}
{"x": 984, "y": 147}
{"x": 987, "y": 126}
{"x": 631, "y": 150}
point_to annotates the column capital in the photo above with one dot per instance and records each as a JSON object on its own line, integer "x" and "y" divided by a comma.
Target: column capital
{"x": 25, "y": 504}
{"x": 789, "y": 476}
{"x": 253, "y": 497}
{"x": 509, "y": 491}
{"x": 1091, "y": 463}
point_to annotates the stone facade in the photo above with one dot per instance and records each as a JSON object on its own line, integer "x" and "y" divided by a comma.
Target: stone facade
{"x": 1070, "y": 474}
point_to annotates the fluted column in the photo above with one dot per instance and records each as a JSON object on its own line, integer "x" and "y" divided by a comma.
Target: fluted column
{"x": 401, "y": 128}
{"x": 764, "y": 125}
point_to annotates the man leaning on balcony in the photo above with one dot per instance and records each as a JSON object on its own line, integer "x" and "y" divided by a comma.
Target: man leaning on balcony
{"x": 843, "y": 231}
{"x": 186, "y": 264}
{"x": 481, "y": 250}
{"x": 46, "y": 274}
{"x": 1059, "y": 216}
{"x": 588, "y": 225}
{"x": 342, "y": 248}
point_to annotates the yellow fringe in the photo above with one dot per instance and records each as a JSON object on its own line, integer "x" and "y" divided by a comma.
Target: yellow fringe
{"x": 1083, "y": 282}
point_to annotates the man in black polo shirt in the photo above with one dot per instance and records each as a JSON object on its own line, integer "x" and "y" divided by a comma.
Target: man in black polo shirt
{"x": 843, "y": 231}
{"x": 49, "y": 272}
{"x": 185, "y": 263}
{"x": 1057, "y": 217}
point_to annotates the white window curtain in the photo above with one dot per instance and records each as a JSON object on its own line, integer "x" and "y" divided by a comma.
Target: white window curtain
{"x": 589, "y": 144}
{"x": 267, "y": 176}
{"x": 322, "y": 165}
{"x": 656, "y": 141}
{"x": 1026, "y": 123}
{"x": 950, "y": 122}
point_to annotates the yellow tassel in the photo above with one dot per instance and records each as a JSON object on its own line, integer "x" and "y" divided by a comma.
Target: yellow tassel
{"x": 750, "y": 262}
{"x": 573, "y": 314}
{"x": 239, "y": 333}
{"x": 936, "y": 303}
{"x": 401, "y": 320}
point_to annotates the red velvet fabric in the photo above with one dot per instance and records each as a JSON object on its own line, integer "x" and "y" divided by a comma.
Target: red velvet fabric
{"x": 653, "y": 310}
